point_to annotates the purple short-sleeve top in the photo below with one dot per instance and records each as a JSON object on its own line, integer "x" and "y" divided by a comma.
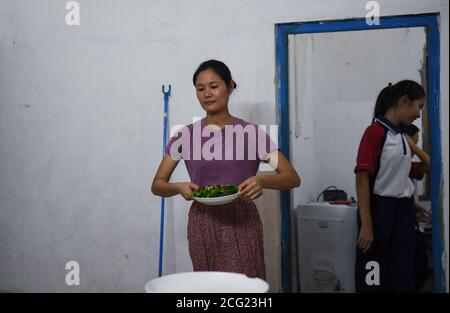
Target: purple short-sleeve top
{"x": 221, "y": 156}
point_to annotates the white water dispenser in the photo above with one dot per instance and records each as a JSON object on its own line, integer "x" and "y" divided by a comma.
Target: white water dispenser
{"x": 327, "y": 235}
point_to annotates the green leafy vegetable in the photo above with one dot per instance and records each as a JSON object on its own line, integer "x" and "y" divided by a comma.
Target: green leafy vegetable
{"x": 215, "y": 191}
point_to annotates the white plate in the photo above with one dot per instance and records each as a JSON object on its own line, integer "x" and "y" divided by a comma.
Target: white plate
{"x": 206, "y": 282}
{"x": 217, "y": 200}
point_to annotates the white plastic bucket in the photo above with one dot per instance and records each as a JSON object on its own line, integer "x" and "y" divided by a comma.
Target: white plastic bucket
{"x": 206, "y": 282}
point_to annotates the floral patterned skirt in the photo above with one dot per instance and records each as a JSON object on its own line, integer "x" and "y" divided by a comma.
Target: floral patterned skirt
{"x": 227, "y": 238}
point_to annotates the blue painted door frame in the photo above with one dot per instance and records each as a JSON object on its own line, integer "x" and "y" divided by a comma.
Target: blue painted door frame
{"x": 430, "y": 22}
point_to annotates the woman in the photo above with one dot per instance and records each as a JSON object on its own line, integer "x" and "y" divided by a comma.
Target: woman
{"x": 228, "y": 237}
{"x": 386, "y": 219}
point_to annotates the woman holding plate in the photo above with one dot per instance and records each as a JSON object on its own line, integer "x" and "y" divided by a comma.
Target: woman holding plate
{"x": 223, "y": 149}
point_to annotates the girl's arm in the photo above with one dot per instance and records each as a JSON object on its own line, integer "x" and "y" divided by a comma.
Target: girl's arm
{"x": 422, "y": 155}
{"x": 162, "y": 187}
{"x": 286, "y": 176}
{"x": 365, "y": 237}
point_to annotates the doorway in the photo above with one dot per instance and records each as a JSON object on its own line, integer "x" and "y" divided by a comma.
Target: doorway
{"x": 329, "y": 74}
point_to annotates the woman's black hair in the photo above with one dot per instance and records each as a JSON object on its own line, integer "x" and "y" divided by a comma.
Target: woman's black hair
{"x": 218, "y": 67}
{"x": 411, "y": 130}
{"x": 390, "y": 95}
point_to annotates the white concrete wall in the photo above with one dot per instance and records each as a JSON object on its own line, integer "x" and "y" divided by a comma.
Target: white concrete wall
{"x": 81, "y": 124}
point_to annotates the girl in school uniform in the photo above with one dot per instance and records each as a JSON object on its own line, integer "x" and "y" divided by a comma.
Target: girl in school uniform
{"x": 386, "y": 211}
{"x": 226, "y": 237}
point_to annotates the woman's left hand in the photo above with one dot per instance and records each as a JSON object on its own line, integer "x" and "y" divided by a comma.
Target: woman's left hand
{"x": 251, "y": 188}
{"x": 423, "y": 215}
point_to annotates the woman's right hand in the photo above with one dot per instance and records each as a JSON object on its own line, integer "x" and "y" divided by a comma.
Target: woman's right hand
{"x": 185, "y": 189}
{"x": 365, "y": 238}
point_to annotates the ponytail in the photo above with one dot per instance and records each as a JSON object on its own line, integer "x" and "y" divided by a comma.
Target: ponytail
{"x": 390, "y": 95}
{"x": 381, "y": 105}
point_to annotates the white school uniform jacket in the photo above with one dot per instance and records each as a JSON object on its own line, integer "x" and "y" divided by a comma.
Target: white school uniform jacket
{"x": 385, "y": 154}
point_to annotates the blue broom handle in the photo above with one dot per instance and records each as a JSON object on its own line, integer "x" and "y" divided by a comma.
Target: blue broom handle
{"x": 161, "y": 228}
{"x": 166, "y": 109}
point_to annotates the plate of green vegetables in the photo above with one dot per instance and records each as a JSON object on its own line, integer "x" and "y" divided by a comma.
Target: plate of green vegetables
{"x": 216, "y": 194}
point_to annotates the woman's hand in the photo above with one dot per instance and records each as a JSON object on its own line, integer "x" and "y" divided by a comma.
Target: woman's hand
{"x": 185, "y": 189}
{"x": 251, "y": 188}
{"x": 365, "y": 237}
{"x": 422, "y": 215}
